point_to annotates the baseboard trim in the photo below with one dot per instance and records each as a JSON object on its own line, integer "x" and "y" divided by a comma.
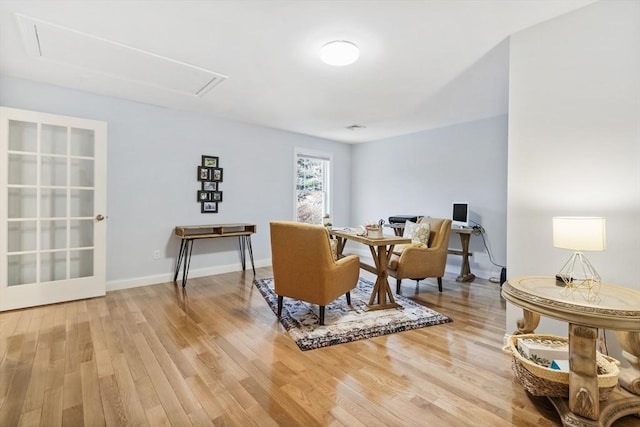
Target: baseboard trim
{"x": 114, "y": 285}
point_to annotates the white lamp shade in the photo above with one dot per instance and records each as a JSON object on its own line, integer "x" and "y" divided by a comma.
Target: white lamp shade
{"x": 339, "y": 53}
{"x": 579, "y": 233}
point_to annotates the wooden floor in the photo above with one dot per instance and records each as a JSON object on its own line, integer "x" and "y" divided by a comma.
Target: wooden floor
{"x": 216, "y": 355}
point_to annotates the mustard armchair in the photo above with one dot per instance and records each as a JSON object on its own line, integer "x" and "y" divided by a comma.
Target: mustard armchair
{"x": 419, "y": 263}
{"x": 304, "y": 267}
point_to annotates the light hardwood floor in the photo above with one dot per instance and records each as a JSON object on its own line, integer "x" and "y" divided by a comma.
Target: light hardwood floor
{"x": 216, "y": 355}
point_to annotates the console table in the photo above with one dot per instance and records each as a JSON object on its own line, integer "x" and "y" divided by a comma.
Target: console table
{"x": 465, "y": 236}
{"x": 618, "y": 309}
{"x": 189, "y": 233}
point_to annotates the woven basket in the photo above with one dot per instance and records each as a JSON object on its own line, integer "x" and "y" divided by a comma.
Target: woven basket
{"x": 542, "y": 381}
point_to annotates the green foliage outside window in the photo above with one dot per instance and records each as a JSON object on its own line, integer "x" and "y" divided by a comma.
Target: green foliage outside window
{"x": 311, "y": 204}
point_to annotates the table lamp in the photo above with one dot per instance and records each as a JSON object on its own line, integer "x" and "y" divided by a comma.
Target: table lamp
{"x": 579, "y": 234}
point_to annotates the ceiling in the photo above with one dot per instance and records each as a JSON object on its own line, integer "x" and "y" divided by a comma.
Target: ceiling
{"x": 423, "y": 64}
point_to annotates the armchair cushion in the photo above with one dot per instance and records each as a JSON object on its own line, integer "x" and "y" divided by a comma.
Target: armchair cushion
{"x": 334, "y": 248}
{"x": 398, "y": 249}
{"x": 418, "y": 232}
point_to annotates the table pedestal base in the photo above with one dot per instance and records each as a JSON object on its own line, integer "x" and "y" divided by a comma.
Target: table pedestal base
{"x": 470, "y": 277}
{"x": 381, "y": 296}
{"x": 620, "y": 404}
{"x": 375, "y": 307}
{"x": 465, "y": 270}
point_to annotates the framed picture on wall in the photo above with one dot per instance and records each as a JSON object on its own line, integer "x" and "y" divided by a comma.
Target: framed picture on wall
{"x": 204, "y": 196}
{"x": 216, "y": 174}
{"x": 204, "y": 174}
{"x": 209, "y": 186}
{"x": 210, "y": 161}
{"x": 209, "y": 207}
{"x": 215, "y": 196}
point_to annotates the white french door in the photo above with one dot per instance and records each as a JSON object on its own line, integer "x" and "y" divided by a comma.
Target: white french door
{"x": 52, "y": 208}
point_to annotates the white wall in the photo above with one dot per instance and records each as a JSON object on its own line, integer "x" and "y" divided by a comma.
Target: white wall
{"x": 574, "y": 141}
{"x": 426, "y": 172}
{"x": 152, "y": 157}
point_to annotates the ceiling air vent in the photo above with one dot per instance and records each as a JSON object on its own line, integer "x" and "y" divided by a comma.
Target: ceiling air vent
{"x": 74, "y": 48}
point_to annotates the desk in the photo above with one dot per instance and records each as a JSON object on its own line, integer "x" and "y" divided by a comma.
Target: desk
{"x": 465, "y": 236}
{"x": 381, "y": 250}
{"x": 618, "y": 309}
{"x": 188, "y": 233}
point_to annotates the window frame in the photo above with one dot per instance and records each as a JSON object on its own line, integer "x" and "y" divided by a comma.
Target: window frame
{"x": 298, "y": 153}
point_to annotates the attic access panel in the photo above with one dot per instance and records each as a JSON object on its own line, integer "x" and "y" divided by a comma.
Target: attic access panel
{"x": 67, "y": 46}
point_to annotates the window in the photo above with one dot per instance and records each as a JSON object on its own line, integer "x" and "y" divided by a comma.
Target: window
{"x": 312, "y": 186}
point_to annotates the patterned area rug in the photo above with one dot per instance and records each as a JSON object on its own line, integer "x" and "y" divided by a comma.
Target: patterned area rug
{"x": 344, "y": 323}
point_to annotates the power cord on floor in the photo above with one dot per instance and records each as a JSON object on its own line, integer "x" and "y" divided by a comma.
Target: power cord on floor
{"x": 480, "y": 229}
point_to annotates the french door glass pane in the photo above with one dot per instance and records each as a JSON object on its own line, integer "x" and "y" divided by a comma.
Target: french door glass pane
{"x": 81, "y": 233}
{"x": 82, "y": 142}
{"x": 81, "y": 173}
{"x": 81, "y": 203}
{"x": 21, "y": 269}
{"x": 53, "y": 171}
{"x": 81, "y": 263}
{"x": 53, "y": 203}
{"x": 22, "y": 203}
{"x": 53, "y": 234}
{"x": 22, "y": 236}
{"x": 23, "y": 169}
{"x": 53, "y": 266}
{"x": 23, "y": 136}
{"x": 53, "y": 139}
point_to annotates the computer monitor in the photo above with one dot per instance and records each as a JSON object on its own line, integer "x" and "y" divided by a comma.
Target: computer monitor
{"x": 460, "y": 217}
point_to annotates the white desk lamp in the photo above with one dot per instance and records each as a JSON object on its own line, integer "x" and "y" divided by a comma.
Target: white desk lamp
{"x": 579, "y": 234}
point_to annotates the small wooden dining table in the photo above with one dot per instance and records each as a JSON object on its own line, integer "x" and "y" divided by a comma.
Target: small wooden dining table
{"x": 381, "y": 251}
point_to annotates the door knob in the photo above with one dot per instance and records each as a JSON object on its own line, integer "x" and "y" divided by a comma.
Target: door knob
{"x": 100, "y": 217}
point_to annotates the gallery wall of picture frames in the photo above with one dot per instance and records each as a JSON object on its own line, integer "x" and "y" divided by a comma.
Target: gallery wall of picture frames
{"x": 210, "y": 175}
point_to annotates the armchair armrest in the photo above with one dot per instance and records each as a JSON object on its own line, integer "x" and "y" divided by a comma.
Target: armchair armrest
{"x": 348, "y": 259}
{"x": 343, "y": 275}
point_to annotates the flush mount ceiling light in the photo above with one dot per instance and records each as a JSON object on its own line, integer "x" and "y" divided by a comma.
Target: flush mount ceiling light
{"x": 339, "y": 53}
